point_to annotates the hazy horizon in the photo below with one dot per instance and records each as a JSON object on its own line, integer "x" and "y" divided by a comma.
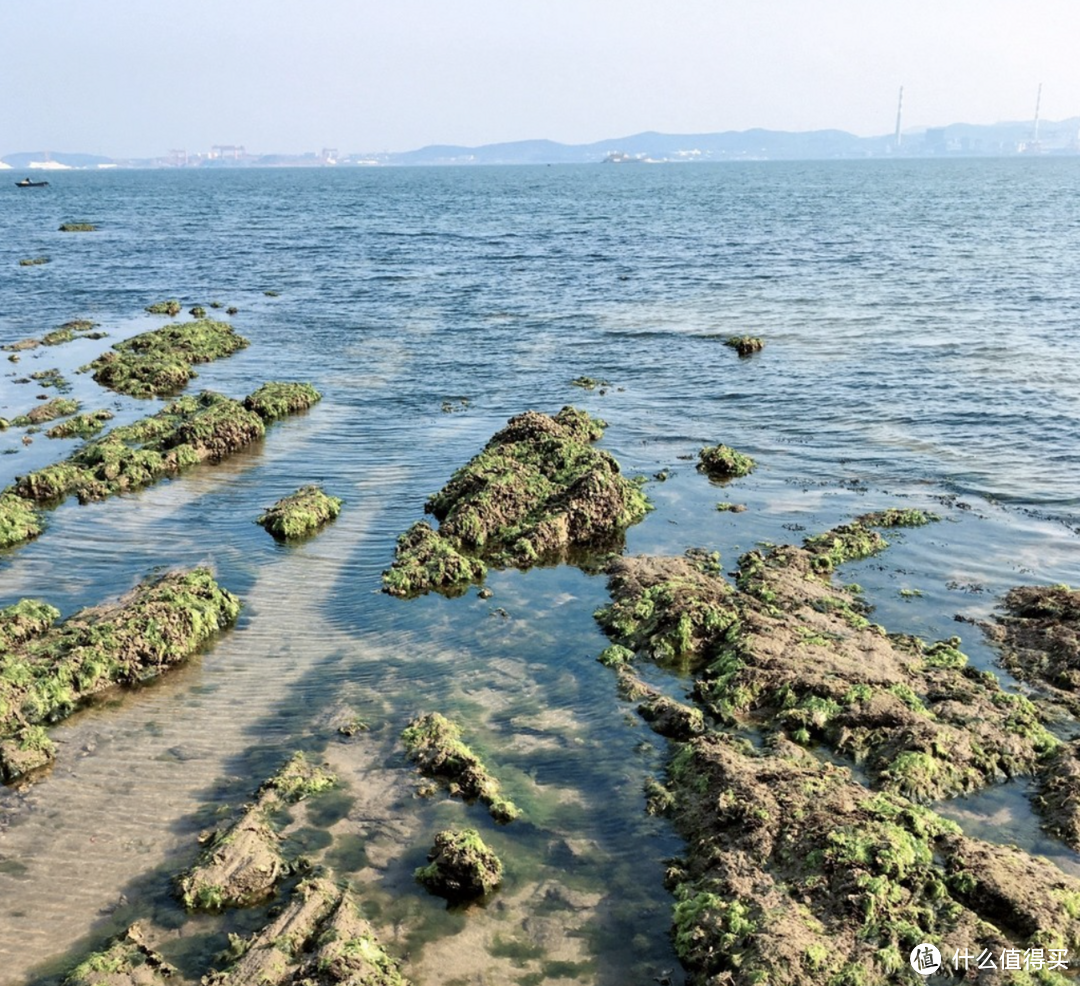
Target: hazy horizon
{"x": 126, "y": 80}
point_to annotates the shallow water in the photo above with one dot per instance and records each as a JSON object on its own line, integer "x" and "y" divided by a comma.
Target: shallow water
{"x": 921, "y": 326}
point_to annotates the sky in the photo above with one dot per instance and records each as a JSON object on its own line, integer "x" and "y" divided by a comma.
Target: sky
{"x": 137, "y": 78}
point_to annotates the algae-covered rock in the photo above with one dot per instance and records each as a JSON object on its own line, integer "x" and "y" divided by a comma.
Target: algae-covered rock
{"x": 301, "y": 513}
{"x": 272, "y": 955}
{"x": 1057, "y": 797}
{"x": 160, "y": 361}
{"x": 58, "y": 407}
{"x": 77, "y": 228}
{"x": 723, "y": 462}
{"x": 81, "y": 426}
{"x": 242, "y": 862}
{"x": 426, "y": 561}
{"x": 128, "y": 961}
{"x": 24, "y": 620}
{"x": 788, "y": 651}
{"x": 857, "y": 539}
{"x": 347, "y": 952}
{"x": 1039, "y": 638}
{"x": 318, "y": 939}
{"x": 538, "y": 490}
{"x": 33, "y": 261}
{"x": 745, "y": 345}
{"x": 47, "y": 673}
{"x": 434, "y": 744}
{"x": 461, "y": 866}
{"x": 25, "y": 753}
{"x": 797, "y": 874}
{"x": 276, "y": 400}
{"x": 171, "y": 308}
{"x": 19, "y": 521}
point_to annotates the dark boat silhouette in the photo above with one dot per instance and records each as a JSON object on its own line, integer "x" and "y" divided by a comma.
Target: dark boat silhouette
{"x": 27, "y": 183}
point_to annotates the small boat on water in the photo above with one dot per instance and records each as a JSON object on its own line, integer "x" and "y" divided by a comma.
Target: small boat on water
{"x": 27, "y": 183}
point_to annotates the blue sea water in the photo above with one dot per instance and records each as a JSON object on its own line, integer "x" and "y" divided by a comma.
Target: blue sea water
{"x": 922, "y": 328}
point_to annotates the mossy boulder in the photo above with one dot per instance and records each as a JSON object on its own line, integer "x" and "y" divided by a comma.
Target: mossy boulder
{"x": 77, "y": 228}
{"x": 723, "y": 462}
{"x": 171, "y": 307}
{"x": 33, "y": 261}
{"x": 300, "y": 514}
{"x": 461, "y": 866}
{"x": 537, "y": 492}
{"x": 434, "y": 744}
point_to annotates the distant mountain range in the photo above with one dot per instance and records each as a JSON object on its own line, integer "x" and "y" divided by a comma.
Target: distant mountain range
{"x": 958, "y": 139}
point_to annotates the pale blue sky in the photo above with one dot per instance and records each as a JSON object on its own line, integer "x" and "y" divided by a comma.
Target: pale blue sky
{"x": 138, "y": 77}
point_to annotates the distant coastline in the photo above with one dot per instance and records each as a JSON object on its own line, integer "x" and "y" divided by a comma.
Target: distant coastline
{"x": 956, "y": 140}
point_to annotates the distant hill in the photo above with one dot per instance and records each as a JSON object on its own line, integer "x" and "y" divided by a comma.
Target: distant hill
{"x": 25, "y": 158}
{"x": 955, "y": 140}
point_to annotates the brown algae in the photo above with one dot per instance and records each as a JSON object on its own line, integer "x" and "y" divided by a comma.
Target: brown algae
{"x": 434, "y": 744}
{"x": 538, "y": 489}
{"x": 300, "y": 514}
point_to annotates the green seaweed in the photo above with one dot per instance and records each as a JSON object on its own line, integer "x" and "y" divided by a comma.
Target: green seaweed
{"x": 81, "y": 426}
{"x": 434, "y": 743}
{"x": 19, "y": 521}
{"x": 461, "y": 865}
{"x": 723, "y": 462}
{"x": 277, "y": 400}
{"x": 300, "y": 514}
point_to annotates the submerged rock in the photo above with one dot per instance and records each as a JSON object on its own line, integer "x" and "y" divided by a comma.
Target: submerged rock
{"x": 461, "y": 866}
{"x": 46, "y": 672}
{"x": 277, "y": 400}
{"x": 434, "y": 744}
{"x": 797, "y": 874}
{"x": 77, "y": 228}
{"x": 318, "y": 939}
{"x": 538, "y": 490}
{"x": 301, "y": 513}
{"x": 242, "y": 862}
{"x": 81, "y": 426}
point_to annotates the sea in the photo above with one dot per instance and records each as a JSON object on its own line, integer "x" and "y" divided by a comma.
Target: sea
{"x": 921, "y": 322}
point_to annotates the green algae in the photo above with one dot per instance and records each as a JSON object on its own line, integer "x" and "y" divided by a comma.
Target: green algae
{"x": 434, "y": 744}
{"x": 462, "y": 866}
{"x": 424, "y": 561}
{"x": 81, "y": 426}
{"x": 723, "y": 462}
{"x": 127, "y": 961}
{"x": 47, "y": 674}
{"x": 171, "y": 308}
{"x": 277, "y": 400}
{"x": 745, "y": 345}
{"x": 160, "y": 361}
{"x": 242, "y": 862}
{"x": 300, "y": 514}
{"x": 206, "y": 427}
{"x": 796, "y": 873}
{"x": 51, "y": 378}
{"x": 19, "y": 521}
{"x": 857, "y": 539}
{"x": 58, "y": 407}
{"x": 538, "y": 490}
